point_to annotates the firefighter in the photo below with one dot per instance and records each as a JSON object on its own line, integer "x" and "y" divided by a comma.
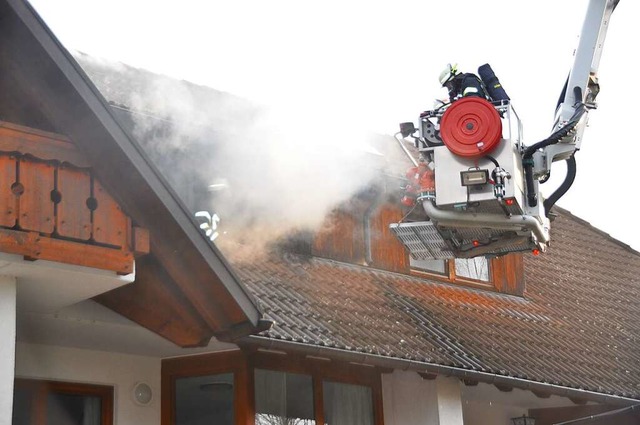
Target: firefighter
{"x": 461, "y": 84}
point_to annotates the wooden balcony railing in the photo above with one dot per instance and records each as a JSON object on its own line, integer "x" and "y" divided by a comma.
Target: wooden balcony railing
{"x": 51, "y": 206}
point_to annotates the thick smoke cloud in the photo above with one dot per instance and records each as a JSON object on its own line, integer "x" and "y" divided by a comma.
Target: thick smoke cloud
{"x": 273, "y": 170}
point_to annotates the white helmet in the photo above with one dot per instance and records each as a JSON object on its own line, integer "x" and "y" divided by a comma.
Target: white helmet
{"x": 448, "y": 73}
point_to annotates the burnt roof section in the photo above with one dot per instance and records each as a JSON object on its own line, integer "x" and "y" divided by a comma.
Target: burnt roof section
{"x": 44, "y": 87}
{"x": 577, "y": 327}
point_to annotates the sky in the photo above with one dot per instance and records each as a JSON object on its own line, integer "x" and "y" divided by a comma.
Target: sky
{"x": 367, "y": 66}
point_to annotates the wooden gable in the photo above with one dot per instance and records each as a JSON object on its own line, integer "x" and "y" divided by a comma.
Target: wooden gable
{"x": 53, "y": 208}
{"x": 193, "y": 291}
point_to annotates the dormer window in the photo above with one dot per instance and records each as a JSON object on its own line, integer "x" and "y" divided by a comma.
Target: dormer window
{"x": 363, "y": 237}
{"x": 474, "y": 269}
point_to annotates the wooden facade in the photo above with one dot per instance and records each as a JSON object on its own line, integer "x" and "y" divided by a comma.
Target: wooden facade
{"x": 360, "y": 235}
{"x": 53, "y": 208}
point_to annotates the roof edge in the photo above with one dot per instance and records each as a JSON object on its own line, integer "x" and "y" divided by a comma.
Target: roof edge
{"x": 595, "y": 229}
{"x": 96, "y": 103}
{"x": 419, "y": 366}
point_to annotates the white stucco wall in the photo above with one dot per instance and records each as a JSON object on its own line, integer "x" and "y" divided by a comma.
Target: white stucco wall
{"x": 97, "y": 367}
{"x": 7, "y": 348}
{"x": 408, "y": 399}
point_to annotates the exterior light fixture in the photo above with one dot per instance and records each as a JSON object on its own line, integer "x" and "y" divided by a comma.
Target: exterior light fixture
{"x": 474, "y": 177}
{"x": 142, "y": 394}
{"x": 523, "y": 420}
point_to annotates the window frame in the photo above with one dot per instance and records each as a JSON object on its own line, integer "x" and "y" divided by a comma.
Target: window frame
{"x": 362, "y": 236}
{"x": 232, "y": 361}
{"x": 451, "y": 276}
{"x": 506, "y": 275}
{"x": 42, "y": 388}
{"x": 242, "y": 363}
{"x": 321, "y": 370}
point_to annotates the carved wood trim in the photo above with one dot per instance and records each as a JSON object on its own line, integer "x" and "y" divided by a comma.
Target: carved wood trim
{"x": 33, "y": 246}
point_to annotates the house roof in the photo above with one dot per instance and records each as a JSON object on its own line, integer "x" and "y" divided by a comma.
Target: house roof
{"x": 578, "y": 325}
{"x": 44, "y": 87}
{"x": 575, "y": 331}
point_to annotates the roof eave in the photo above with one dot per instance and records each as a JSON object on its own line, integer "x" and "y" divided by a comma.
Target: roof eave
{"x": 433, "y": 368}
{"x": 159, "y": 207}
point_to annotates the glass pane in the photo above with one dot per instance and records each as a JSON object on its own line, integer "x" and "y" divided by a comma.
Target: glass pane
{"x": 346, "y": 404}
{"x": 22, "y": 406}
{"x": 283, "y": 398}
{"x": 204, "y": 400}
{"x": 473, "y": 268}
{"x": 436, "y": 266}
{"x": 70, "y": 409}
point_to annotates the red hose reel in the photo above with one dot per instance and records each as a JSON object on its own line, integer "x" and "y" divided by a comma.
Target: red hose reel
{"x": 471, "y": 127}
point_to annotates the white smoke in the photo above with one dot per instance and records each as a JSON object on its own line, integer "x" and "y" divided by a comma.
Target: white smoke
{"x": 281, "y": 169}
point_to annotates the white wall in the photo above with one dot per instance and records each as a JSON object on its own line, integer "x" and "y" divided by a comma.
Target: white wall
{"x": 7, "y": 348}
{"x": 400, "y": 396}
{"x": 121, "y": 371}
{"x": 408, "y": 399}
{"x": 480, "y": 413}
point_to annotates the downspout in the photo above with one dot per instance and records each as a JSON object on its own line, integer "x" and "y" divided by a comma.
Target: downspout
{"x": 494, "y": 221}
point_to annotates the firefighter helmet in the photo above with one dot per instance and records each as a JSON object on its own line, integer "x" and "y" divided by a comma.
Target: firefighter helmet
{"x": 448, "y": 73}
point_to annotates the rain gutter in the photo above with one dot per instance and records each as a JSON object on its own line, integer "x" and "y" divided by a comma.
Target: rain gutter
{"x": 421, "y": 366}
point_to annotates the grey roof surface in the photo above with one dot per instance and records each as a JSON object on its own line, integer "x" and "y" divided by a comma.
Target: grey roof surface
{"x": 578, "y": 324}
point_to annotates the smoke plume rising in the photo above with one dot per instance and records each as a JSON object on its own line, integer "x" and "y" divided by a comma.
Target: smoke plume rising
{"x": 263, "y": 171}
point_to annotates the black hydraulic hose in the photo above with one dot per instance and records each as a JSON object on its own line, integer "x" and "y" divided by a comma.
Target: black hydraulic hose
{"x": 492, "y": 159}
{"x": 532, "y": 198}
{"x": 527, "y": 157}
{"x": 564, "y": 187}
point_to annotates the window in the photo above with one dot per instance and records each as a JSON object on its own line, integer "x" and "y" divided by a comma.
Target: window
{"x": 61, "y": 403}
{"x": 364, "y": 238}
{"x": 203, "y": 400}
{"x": 267, "y": 388}
{"x": 288, "y": 398}
{"x": 347, "y": 404}
{"x": 478, "y": 269}
{"x": 473, "y": 268}
{"x": 503, "y": 274}
{"x": 283, "y": 398}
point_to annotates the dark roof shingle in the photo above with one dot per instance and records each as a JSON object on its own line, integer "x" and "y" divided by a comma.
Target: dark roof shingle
{"x": 578, "y": 324}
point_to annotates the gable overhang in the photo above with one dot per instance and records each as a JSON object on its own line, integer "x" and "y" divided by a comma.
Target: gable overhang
{"x": 183, "y": 270}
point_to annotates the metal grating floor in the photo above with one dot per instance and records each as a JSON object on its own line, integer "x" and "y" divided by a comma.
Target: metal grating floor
{"x": 423, "y": 240}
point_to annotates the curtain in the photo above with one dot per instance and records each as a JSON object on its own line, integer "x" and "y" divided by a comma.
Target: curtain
{"x": 283, "y": 398}
{"x": 92, "y": 414}
{"x": 346, "y": 404}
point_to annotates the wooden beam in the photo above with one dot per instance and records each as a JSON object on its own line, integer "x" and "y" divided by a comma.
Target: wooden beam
{"x": 154, "y": 302}
{"x": 140, "y": 241}
{"x": 541, "y": 394}
{"x": 35, "y": 247}
{"x": 504, "y": 388}
{"x": 428, "y": 376}
{"x": 41, "y": 144}
{"x": 578, "y": 401}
